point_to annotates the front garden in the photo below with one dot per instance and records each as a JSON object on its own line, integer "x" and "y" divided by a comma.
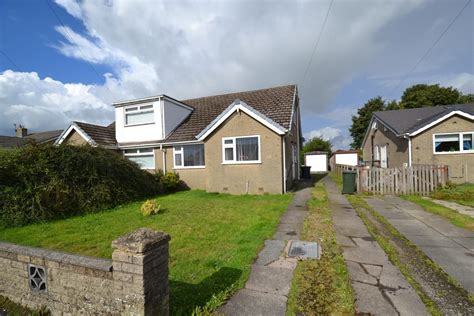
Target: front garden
{"x": 214, "y": 239}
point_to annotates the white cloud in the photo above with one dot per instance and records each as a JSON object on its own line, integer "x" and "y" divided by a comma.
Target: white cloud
{"x": 464, "y": 82}
{"x": 72, "y": 7}
{"x": 47, "y": 104}
{"x": 191, "y": 49}
{"x": 338, "y": 138}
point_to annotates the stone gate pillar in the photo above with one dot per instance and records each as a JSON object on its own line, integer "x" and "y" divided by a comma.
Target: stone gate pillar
{"x": 141, "y": 258}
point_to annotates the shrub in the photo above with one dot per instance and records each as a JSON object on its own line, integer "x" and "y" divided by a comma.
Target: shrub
{"x": 170, "y": 181}
{"x": 41, "y": 182}
{"x": 150, "y": 207}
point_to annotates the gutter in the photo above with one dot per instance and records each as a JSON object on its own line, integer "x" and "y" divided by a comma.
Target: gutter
{"x": 284, "y": 165}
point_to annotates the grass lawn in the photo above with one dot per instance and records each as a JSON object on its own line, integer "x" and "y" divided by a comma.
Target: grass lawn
{"x": 462, "y": 194}
{"x": 214, "y": 239}
{"x": 321, "y": 287}
{"x": 457, "y": 219}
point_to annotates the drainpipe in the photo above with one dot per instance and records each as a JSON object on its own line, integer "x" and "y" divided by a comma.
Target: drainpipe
{"x": 163, "y": 153}
{"x": 284, "y": 165}
{"x": 409, "y": 151}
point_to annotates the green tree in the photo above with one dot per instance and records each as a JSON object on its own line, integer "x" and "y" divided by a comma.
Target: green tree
{"x": 316, "y": 144}
{"x": 361, "y": 120}
{"x": 422, "y": 95}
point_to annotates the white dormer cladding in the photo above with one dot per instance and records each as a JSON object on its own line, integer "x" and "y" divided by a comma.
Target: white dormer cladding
{"x": 149, "y": 119}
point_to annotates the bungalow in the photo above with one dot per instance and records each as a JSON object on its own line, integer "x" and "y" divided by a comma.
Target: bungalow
{"x": 441, "y": 135}
{"x": 245, "y": 142}
{"x": 22, "y": 138}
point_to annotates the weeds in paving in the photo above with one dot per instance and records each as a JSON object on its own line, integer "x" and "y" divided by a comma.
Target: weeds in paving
{"x": 457, "y": 219}
{"x": 461, "y": 194}
{"x": 440, "y": 293}
{"x": 321, "y": 287}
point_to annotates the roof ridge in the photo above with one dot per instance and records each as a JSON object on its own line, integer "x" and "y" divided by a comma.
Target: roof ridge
{"x": 239, "y": 92}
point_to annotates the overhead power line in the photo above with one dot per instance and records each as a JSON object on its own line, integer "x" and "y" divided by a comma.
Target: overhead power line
{"x": 69, "y": 37}
{"x": 316, "y": 44}
{"x": 431, "y": 47}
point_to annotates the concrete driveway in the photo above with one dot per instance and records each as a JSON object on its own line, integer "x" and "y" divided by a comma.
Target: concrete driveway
{"x": 451, "y": 247}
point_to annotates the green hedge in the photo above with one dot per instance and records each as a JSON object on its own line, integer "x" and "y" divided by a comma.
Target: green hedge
{"x": 41, "y": 182}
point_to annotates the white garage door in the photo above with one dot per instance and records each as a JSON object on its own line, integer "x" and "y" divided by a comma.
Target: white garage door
{"x": 318, "y": 163}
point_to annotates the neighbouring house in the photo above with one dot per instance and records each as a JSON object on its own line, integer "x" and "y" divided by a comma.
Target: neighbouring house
{"x": 441, "y": 135}
{"x": 244, "y": 142}
{"x": 317, "y": 161}
{"x": 22, "y": 137}
{"x": 344, "y": 157}
{"x": 80, "y": 133}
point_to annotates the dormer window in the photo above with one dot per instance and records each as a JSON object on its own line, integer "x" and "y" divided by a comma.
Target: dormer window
{"x": 139, "y": 115}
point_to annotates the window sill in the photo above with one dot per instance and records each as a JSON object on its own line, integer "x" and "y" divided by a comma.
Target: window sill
{"x": 192, "y": 167}
{"x": 139, "y": 124}
{"x": 242, "y": 163}
{"x": 455, "y": 152}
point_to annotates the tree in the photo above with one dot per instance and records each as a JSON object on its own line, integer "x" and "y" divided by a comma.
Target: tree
{"x": 422, "y": 95}
{"x": 361, "y": 121}
{"x": 316, "y": 144}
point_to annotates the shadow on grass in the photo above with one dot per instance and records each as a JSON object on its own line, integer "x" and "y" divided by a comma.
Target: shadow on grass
{"x": 186, "y": 296}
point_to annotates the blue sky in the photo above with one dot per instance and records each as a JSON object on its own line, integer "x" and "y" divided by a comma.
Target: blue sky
{"x": 98, "y": 52}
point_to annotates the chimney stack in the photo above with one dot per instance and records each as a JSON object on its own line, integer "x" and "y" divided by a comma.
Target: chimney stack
{"x": 21, "y": 131}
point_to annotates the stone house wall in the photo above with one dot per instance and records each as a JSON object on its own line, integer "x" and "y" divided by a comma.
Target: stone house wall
{"x": 134, "y": 282}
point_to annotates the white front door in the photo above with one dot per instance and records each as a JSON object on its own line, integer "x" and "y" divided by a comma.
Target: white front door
{"x": 383, "y": 156}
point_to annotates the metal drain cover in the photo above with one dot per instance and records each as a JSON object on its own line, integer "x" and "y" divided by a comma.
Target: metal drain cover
{"x": 304, "y": 250}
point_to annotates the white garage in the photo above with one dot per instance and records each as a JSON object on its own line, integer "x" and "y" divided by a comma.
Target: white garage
{"x": 317, "y": 160}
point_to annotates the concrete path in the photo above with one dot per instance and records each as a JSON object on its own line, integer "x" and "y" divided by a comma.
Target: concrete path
{"x": 379, "y": 287}
{"x": 451, "y": 247}
{"x": 463, "y": 209}
{"x": 266, "y": 290}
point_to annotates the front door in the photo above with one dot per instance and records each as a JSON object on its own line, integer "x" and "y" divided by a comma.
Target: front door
{"x": 383, "y": 156}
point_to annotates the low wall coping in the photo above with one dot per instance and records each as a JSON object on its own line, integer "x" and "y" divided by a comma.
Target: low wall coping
{"x": 141, "y": 241}
{"x": 58, "y": 256}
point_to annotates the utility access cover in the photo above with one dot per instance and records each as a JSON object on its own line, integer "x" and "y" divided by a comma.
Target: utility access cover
{"x": 304, "y": 250}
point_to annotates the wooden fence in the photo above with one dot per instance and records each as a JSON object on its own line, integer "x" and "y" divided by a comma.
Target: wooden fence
{"x": 419, "y": 179}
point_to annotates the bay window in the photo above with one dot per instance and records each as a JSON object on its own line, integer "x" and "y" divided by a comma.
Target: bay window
{"x": 144, "y": 157}
{"x": 189, "y": 156}
{"x": 243, "y": 149}
{"x": 453, "y": 142}
{"x": 136, "y": 115}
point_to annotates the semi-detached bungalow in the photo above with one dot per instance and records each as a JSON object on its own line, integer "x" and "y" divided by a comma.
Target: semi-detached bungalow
{"x": 440, "y": 135}
{"x": 245, "y": 142}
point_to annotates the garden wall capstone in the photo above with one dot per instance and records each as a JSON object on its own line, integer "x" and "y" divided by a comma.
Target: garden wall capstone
{"x": 134, "y": 282}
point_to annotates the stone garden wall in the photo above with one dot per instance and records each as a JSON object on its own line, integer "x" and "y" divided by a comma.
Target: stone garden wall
{"x": 134, "y": 282}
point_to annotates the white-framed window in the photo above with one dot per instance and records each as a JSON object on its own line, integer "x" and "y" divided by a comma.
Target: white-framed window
{"x": 446, "y": 143}
{"x": 144, "y": 157}
{"x": 376, "y": 152}
{"x": 189, "y": 156}
{"x": 241, "y": 149}
{"x": 138, "y": 115}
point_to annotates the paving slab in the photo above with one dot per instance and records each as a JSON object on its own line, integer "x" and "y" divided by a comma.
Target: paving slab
{"x": 451, "y": 247}
{"x": 463, "y": 209}
{"x": 379, "y": 287}
{"x": 247, "y": 302}
{"x": 266, "y": 290}
{"x": 271, "y": 252}
{"x": 270, "y": 280}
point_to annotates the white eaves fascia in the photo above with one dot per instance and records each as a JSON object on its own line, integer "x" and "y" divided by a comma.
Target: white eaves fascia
{"x": 239, "y": 105}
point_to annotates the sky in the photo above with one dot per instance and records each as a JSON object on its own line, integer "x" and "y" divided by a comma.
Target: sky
{"x": 64, "y": 60}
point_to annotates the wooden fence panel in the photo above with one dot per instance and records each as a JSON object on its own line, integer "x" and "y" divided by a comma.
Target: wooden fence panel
{"x": 419, "y": 179}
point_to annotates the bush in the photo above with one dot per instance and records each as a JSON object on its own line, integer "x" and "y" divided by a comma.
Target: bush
{"x": 170, "y": 181}
{"x": 41, "y": 182}
{"x": 150, "y": 207}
